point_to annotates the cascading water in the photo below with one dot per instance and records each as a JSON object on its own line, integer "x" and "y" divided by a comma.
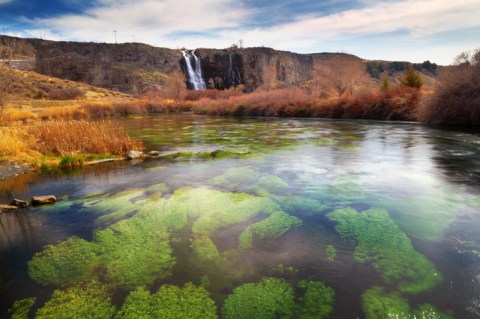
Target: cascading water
{"x": 234, "y": 77}
{"x": 195, "y": 76}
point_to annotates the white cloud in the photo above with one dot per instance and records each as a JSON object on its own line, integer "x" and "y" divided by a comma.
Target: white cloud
{"x": 156, "y": 23}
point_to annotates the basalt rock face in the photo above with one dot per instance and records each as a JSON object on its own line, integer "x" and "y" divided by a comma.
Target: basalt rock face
{"x": 130, "y": 67}
{"x": 226, "y": 68}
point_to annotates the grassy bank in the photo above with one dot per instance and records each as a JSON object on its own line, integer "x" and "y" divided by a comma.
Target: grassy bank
{"x": 66, "y": 143}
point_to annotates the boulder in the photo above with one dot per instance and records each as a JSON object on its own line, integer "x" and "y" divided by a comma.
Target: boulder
{"x": 19, "y": 203}
{"x": 42, "y": 200}
{"x": 134, "y": 155}
{"x": 7, "y": 208}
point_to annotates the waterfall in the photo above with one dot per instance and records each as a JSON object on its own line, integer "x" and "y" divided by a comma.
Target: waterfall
{"x": 195, "y": 76}
{"x": 234, "y": 77}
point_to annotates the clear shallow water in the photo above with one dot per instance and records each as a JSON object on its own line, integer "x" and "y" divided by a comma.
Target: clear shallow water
{"x": 234, "y": 201}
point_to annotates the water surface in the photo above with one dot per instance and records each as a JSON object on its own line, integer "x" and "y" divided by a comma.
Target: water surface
{"x": 380, "y": 213}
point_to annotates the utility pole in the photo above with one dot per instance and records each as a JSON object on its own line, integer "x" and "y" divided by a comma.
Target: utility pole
{"x": 115, "y": 33}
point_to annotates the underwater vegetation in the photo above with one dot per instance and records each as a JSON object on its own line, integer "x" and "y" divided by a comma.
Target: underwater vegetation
{"x": 274, "y": 298}
{"x": 317, "y": 300}
{"x": 331, "y": 253}
{"x": 21, "y": 308}
{"x": 269, "y": 299}
{"x": 301, "y": 205}
{"x": 271, "y": 228}
{"x": 89, "y": 301}
{"x": 131, "y": 253}
{"x": 189, "y": 302}
{"x": 383, "y": 244}
{"x": 236, "y": 178}
{"x": 271, "y": 184}
{"x": 66, "y": 263}
{"x": 377, "y": 304}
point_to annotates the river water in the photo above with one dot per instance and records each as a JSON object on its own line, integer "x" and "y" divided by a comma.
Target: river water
{"x": 384, "y": 215}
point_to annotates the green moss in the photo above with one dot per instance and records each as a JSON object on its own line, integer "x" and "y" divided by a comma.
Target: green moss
{"x": 272, "y": 184}
{"x": 236, "y": 178}
{"x": 90, "y": 301}
{"x": 71, "y": 162}
{"x": 317, "y": 301}
{"x": 380, "y": 305}
{"x": 134, "y": 253}
{"x": 271, "y": 228}
{"x": 21, "y": 308}
{"x": 428, "y": 311}
{"x": 69, "y": 262}
{"x": 204, "y": 247}
{"x": 331, "y": 253}
{"x": 302, "y": 205}
{"x": 113, "y": 207}
{"x": 169, "y": 302}
{"x": 270, "y": 299}
{"x": 383, "y": 244}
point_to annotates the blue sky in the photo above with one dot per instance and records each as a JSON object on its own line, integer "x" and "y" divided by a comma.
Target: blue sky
{"x": 406, "y": 30}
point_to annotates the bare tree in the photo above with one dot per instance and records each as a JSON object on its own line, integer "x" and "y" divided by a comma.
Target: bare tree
{"x": 269, "y": 78}
{"x": 343, "y": 74}
{"x": 175, "y": 87}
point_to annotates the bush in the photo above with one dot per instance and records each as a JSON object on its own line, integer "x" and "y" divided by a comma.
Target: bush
{"x": 70, "y": 93}
{"x": 457, "y": 95}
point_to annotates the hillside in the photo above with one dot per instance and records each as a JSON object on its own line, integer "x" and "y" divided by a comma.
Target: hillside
{"x": 134, "y": 67}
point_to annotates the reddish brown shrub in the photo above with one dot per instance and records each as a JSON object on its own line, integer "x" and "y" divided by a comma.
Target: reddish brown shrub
{"x": 70, "y": 93}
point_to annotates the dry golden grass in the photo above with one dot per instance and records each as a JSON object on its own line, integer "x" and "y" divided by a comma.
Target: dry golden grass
{"x": 35, "y": 143}
{"x": 81, "y": 137}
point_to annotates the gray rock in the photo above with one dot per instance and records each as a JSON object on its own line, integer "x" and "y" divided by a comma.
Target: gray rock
{"x": 42, "y": 200}
{"x": 154, "y": 153}
{"x": 7, "y": 208}
{"x": 134, "y": 155}
{"x": 20, "y": 203}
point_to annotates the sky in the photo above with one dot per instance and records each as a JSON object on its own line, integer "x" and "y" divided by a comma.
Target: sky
{"x": 395, "y": 30}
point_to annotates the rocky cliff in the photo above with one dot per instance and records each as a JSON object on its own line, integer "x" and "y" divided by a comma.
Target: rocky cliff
{"x": 134, "y": 67}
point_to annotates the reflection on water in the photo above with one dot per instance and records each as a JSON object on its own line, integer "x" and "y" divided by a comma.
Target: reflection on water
{"x": 352, "y": 219}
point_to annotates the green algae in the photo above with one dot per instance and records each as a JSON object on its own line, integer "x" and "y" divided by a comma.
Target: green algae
{"x": 271, "y": 228}
{"x": 317, "y": 301}
{"x": 271, "y": 184}
{"x": 383, "y": 244}
{"x": 204, "y": 247}
{"x": 331, "y": 253}
{"x": 21, "y": 308}
{"x": 301, "y": 205}
{"x": 377, "y": 304}
{"x": 66, "y": 263}
{"x": 169, "y": 302}
{"x": 90, "y": 301}
{"x": 233, "y": 178}
{"x": 134, "y": 253}
{"x": 270, "y": 299}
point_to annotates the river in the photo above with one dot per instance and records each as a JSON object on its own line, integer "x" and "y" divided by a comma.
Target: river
{"x": 377, "y": 216}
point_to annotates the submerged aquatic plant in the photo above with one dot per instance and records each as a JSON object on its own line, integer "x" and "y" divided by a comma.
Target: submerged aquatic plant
{"x": 68, "y": 262}
{"x": 271, "y": 184}
{"x": 271, "y": 228}
{"x": 271, "y": 298}
{"x": 236, "y": 177}
{"x": 301, "y": 205}
{"x": 377, "y": 304}
{"x": 317, "y": 301}
{"x": 331, "y": 253}
{"x": 21, "y": 308}
{"x": 90, "y": 301}
{"x": 189, "y": 302}
{"x": 383, "y": 244}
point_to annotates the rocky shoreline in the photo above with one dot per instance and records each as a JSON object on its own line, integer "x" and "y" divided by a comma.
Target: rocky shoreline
{"x": 9, "y": 170}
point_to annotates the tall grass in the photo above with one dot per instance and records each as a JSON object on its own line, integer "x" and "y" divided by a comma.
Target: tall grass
{"x": 81, "y": 137}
